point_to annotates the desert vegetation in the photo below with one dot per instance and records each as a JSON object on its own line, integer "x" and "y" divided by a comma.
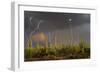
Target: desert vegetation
{"x": 59, "y": 52}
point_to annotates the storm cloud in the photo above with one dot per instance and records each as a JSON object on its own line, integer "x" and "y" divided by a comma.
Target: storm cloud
{"x": 79, "y": 23}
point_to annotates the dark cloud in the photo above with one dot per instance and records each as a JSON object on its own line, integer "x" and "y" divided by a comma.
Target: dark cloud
{"x": 53, "y": 21}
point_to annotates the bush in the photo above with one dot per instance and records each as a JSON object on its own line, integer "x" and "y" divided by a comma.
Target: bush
{"x": 65, "y": 52}
{"x": 28, "y": 53}
{"x": 51, "y": 51}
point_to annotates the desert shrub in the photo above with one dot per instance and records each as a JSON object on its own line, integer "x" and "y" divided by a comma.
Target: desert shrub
{"x": 51, "y": 51}
{"x": 42, "y": 52}
{"x": 61, "y": 51}
{"x": 77, "y": 48}
{"x": 28, "y": 53}
{"x": 82, "y": 50}
{"x": 34, "y": 52}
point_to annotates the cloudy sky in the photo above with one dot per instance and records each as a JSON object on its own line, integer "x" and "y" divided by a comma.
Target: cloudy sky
{"x": 78, "y": 24}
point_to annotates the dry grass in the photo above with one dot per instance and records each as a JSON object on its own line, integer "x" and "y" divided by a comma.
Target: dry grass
{"x": 80, "y": 51}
